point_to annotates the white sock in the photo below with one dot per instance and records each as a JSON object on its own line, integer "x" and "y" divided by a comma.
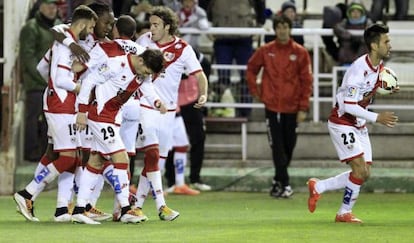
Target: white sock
{"x": 180, "y": 160}
{"x": 155, "y": 182}
{"x": 65, "y": 185}
{"x": 78, "y": 175}
{"x": 142, "y": 191}
{"x": 87, "y": 183}
{"x": 332, "y": 183}
{"x": 96, "y": 193}
{"x": 350, "y": 196}
{"x": 161, "y": 164}
{"x": 39, "y": 168}
{"x": 45, "y": 176}
{"x": 121, "y": 186}
{"x": 107, "y": 173}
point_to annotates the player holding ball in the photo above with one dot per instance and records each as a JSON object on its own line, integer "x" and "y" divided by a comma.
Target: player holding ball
{"x": 347, "y": 124}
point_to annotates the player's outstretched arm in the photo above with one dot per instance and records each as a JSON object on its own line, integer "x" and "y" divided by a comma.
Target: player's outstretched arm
{"x": 387, "y": 118}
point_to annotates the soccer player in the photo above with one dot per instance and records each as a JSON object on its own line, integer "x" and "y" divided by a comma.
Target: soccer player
{"x": 155, "y": 135}
{"x": 80, "y": 49}
{"x": 108, "y": 86}
{"x": 347, "y": 124}
{"x": 59, "y": 107}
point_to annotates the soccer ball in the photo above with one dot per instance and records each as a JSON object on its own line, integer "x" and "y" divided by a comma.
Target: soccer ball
{"x": 388, "y": 81}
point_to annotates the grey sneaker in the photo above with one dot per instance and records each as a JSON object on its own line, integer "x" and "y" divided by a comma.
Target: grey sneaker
{"x": 287, "y": 192}
{"x": 200, "y": 186}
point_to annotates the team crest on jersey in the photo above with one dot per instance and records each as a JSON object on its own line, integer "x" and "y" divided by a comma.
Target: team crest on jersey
{"x": 178, "y": 46}
{"x": 293, "y": 57}
{"x": 351, "y": 92}
{"x": 103, "y": 68}
{"x": 169, "y": 56}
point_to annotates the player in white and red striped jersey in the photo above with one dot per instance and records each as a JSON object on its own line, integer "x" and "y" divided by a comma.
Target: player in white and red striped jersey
{"x": 347, "y": 124}
{"x": 59, "y": 108}
{"x": 123, "y": 31}
{"x": 80, "y": 49}
{"x": 110, "y": 82}
{"x": 155, "y": 136}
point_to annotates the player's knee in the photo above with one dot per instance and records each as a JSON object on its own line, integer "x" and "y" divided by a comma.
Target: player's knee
{"x": 151, "y": 160}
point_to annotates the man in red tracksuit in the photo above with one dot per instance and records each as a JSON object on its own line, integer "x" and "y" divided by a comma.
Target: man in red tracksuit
{"x": 285, "y": 90}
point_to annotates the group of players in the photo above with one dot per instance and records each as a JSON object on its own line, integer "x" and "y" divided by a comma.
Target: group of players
{"x": 98, "y": 98}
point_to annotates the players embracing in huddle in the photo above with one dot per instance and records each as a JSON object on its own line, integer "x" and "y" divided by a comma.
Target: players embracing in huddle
{"x": 111, "y": 78}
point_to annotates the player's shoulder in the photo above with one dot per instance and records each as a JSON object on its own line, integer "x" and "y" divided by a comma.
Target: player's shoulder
{"x": 111, "y": 48}
{"x": 145, "y": 39}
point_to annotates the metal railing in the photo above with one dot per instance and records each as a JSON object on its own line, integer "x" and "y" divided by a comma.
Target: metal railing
{"x": 318, "y": 77}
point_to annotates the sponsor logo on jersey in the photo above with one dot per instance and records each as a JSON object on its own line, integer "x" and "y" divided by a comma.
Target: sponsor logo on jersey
{"x": 351, "y": 92}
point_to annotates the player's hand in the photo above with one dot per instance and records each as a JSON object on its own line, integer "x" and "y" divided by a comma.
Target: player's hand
{"x": 79, "y": 52}
{"x": 77, "y": 66}
{"x": 201, "y": 101}
{"x": 301, "y": 116}
{"x": 387, "y": 118}
{"x": 77, "y": 88}
{"x": 81, "y": 121}
{"x": 163, "y": 109}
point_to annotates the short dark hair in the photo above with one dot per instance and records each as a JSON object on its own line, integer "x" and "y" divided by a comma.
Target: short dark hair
{"x": 100, "y": 8}
{"x": 153, "y": 59}
{"x": 143, "y": 25}
{"x": 126, "y": 26}
{"x": 168, "y": 16}
{"x": 372, "y": 34}
{"x": 282, "y": 19}
{"x": 83, "y": 12}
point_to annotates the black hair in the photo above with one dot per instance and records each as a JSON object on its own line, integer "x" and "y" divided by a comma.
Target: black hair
{"x": 282, "y": 19}
{"x": 153, "y": 59}
{"x": 100, "y": 8}
{"x": 126, "y": 26}
{"x": 83, "y": 12}
{"x": 143, "y": 25}
{"x": 373, "y": 33}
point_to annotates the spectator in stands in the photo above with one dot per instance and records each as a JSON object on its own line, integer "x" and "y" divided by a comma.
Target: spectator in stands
{"x": 377, "y": 8}
{"x": 332, "y": 15}
{"x": 191, "y": 15}
{"x": 35, "y": 39}
{"x": 288, "y": 9}
{"x": 142, "y": 7}
{"x": 285, "y": 89}
{"x": 227, "y": 48}
{"x": 351, "y": 46}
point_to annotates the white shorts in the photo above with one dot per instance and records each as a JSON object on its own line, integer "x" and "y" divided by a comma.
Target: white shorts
{"x": 180, "y": 138}
{"x": 85, "y": 138}
{"x": 129, "y": 125}
{"x": 106, "y": 138}
{"x": 350, "y": 142}
{"x": 155, "y": 128}
{"x": 62, "y": 129}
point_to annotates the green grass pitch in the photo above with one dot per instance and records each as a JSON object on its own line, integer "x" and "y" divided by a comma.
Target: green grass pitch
{"x": 225, "y": 217}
